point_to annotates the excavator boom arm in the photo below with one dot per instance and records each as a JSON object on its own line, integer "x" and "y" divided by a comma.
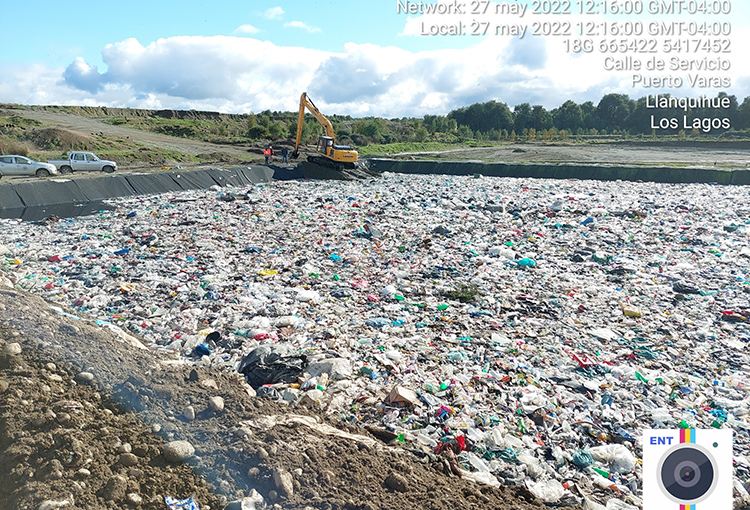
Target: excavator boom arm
{"x": 305, "y": 102}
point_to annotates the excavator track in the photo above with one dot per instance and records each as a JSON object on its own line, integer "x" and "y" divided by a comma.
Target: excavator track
{"x": 320, "y": 160}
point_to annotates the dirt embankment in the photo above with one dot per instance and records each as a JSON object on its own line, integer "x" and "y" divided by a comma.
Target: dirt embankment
{"x": 86, "y": 418}
{"x": 128, "y": 113}
{"x": 88, "y": 126}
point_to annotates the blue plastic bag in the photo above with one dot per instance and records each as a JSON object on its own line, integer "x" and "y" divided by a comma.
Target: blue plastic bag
{"x": 181, "y": 504}
{"x": 202, "y": 350}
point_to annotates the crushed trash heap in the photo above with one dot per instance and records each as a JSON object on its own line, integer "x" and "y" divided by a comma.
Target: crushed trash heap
{"x": 528, "y": 329}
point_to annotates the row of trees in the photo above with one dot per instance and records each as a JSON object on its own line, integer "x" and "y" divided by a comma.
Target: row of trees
{"x": 493, "y": 120}
{"x": 283, "y": 125}
{"x": 615, "y": 113}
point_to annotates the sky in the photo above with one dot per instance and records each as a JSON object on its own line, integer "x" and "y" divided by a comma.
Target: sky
{"x": 353, "y": 58}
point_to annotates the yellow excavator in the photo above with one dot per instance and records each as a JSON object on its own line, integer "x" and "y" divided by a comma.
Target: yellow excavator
{"x": 328, "y": 153}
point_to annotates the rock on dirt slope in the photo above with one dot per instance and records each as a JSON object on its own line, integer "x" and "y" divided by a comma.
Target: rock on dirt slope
{"x": 89, "y": 420}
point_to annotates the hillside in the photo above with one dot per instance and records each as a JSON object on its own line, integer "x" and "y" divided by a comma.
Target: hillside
{"x": 47, "y": 132}
{"x": 138, "y": 138}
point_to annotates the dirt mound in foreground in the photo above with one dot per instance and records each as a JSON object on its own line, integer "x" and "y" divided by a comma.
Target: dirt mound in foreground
{"x": 97, "y": 439}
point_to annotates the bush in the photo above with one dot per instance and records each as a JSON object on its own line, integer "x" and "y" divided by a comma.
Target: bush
{"x": 464, "y": 293}
{"x": 465, "y": 132}
{"x": 8, "y": 146}
{"x": 177, "y": 130}
{"x": 360, "y": 140}
{"x": 277, "y": 130}
{"x": 257, "y": 132}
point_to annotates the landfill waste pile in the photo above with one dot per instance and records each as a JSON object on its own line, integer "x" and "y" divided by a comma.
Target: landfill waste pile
{"x": 90, "y": 420}
{"x": 528, "y": 330}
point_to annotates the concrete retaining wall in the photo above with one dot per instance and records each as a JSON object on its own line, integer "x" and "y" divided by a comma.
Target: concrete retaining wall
{"x": 104, "y": 187}
{"x": 9, "y": 199}
{"x": 33, "y": 200}
{"x": 603, "y": 173}
{"x": 38, "y": 193}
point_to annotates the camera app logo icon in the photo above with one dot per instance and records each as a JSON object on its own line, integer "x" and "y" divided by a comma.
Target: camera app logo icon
{"x": 687, "y": 469}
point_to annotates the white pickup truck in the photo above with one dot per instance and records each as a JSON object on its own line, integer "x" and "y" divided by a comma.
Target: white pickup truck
{"x": 83, "y": 162}
{"x": 20, "y": 165}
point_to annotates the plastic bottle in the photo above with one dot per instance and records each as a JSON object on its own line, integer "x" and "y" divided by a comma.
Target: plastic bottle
{"x": 426, "y": 440}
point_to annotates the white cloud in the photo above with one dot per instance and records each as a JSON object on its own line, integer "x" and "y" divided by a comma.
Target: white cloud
{"x": 246, "y": 29}
{"x": 411, "y": 27}
{"x": 241, "y": 74}
{"x": 82, "y": 76}
{"x": 530, "y": 52}
{"x": 302, "y": 25}
{"x": 229, "y": 68}
{"x": 273, "y": 13}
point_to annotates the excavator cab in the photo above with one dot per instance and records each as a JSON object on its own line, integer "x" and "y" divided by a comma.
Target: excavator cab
{"x": 325, "y": 146}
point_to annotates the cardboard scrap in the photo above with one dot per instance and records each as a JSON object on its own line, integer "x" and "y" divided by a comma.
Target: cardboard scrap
{"x": 403, "y": 397}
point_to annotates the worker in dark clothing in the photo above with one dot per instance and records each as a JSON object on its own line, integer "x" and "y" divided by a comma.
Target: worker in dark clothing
{"x": 284, "y": 154}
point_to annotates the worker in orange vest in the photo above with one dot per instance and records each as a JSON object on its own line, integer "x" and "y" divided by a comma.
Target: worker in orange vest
{"x": 267, "y": 155}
